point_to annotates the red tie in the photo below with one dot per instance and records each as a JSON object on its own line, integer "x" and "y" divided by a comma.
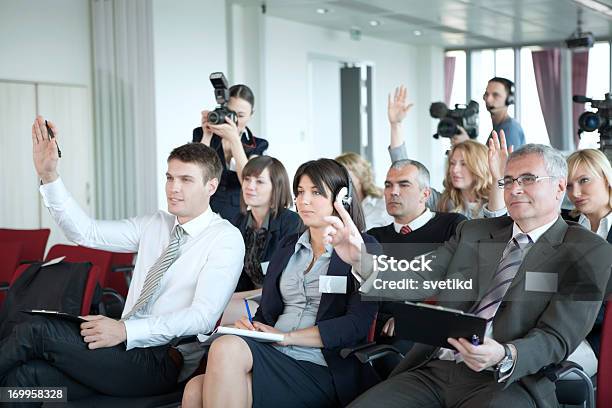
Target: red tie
{"x": 405, "y": 230}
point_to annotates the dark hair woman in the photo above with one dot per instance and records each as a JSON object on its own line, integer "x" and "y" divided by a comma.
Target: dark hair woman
{"x": 235, "y": 144}
{"x": 315, "y": 325}
{"x": 264, "y": 220}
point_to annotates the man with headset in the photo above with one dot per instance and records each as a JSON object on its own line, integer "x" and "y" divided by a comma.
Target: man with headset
{"x": 497, "y": 97}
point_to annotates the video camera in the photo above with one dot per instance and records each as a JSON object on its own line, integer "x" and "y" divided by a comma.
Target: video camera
{"x": 217, "y": 117}
{"x": 600, "y": 121}
{"x": 465, "y": 116}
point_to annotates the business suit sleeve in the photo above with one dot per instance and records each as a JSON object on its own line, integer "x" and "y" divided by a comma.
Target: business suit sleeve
{"x": 569, "y": 316}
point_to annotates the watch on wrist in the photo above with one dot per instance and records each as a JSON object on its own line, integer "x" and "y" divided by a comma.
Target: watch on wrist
{"x": 507, "y": 362}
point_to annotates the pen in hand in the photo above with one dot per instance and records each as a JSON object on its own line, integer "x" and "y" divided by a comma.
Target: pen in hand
{"x": 52, "y": 136}
{"x": 248, "y": 310}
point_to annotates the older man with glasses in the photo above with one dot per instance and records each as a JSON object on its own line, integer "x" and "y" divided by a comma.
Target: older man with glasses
{"x": 537, "y": 280}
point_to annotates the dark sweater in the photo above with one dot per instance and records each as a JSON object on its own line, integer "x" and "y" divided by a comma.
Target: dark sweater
{"x": 437, "y": 230}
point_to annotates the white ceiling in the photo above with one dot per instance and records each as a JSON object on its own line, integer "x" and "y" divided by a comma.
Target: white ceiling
{"x": 448, "y": 23}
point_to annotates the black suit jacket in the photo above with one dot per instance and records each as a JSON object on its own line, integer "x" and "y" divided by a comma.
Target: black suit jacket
{"x": 343, "y": 319}
{"x": 545, "y": 327}
{"x": 285, "y": 223}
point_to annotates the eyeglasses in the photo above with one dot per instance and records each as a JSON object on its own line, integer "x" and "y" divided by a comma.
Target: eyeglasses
{"x": 522, "y": 180}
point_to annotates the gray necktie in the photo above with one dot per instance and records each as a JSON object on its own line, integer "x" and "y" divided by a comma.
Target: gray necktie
{"x": 513, "y": 256}
{"x": 157, "y": 271}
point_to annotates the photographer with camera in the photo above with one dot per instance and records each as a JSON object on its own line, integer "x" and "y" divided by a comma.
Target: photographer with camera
{"x": 472, "y": 168}
{"x": 498, "y": 96}
{"x": 225, "y": 131}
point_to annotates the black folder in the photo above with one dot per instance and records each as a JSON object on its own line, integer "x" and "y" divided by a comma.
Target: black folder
{"x": 54, "y": 314}
{"x": 431, "y": 324}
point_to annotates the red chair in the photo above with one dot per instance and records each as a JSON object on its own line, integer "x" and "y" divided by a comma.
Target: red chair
{"x": 604, "y": 369}
{"x": 9, "y": 259}
{"x": 120, "y": 273}
{"x": 90, "y": 286}
{"x": 33, "y": 242}
{"x": 73, "y": 253}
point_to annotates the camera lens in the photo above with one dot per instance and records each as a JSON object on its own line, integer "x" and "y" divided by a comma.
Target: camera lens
{"x": 589, "y": 121}
{"x": 213, "y": 117}
{"x": 447, "y": 128}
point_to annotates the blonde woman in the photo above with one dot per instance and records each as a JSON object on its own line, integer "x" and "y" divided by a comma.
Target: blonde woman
{"x": 368, "y": 193}
{"x": 473, "y": 169}
{"x": 589, "y": 188}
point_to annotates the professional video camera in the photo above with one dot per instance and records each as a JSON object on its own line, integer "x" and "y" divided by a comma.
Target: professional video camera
{"x": 600, "y": 121}
{"x": 217, "y": 117}
{"x": 465, "y": 116}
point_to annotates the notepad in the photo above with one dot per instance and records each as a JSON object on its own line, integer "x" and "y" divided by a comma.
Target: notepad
{"x": 55, "y": 315}
{"x": 257, "y": 335}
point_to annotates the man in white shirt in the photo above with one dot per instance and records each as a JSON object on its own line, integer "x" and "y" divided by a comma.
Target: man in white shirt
{"x": 188, "y": 264}
{"x": 537, "y": 280}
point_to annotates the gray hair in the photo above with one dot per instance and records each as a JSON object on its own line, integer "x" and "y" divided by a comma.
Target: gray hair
{"x": 423, "y": 173}
{"x": 554, "y": 162}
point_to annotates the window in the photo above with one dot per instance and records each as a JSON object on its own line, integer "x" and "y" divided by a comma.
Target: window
{"x": 598, "y": 84}
{"x": 532, "y": 120}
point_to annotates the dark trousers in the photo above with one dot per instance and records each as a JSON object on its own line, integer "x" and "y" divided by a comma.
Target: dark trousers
{"x": 47, "y": 352}
{"x": 443, "y": 384}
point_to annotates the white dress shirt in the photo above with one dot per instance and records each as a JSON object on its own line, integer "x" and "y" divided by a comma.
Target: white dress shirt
{"x": 604, "y": 224}
{"x": 375, "y": 212}
{"x": 194, "y": 290}
{"x": 417, "y": 223}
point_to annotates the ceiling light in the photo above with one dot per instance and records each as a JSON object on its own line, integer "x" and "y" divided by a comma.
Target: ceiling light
{"x": 417, "y": 33}
{"x": 322, "y": 11}
{"x": 595, "y": 5}
{"x": 374, "y": 23}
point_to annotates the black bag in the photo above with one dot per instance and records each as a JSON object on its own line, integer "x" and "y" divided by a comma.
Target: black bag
{"x": 58, "y": 287}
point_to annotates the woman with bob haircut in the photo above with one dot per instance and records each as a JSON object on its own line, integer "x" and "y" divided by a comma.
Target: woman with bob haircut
{"x": 306, "y": 368}
{"x": 264, "y": 220}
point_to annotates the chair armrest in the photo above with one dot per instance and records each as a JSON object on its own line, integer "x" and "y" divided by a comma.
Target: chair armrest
{"x": 369, "y": 352}
{"x": 122, "y": 268}
{"x": 556, "y": 372}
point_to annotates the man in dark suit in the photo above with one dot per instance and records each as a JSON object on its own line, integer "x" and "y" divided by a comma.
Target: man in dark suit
{"x": 553, "y": 277}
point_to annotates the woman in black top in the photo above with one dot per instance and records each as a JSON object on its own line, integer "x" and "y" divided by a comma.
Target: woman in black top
{"x": 264, "y": 221}
{"x": 235, "y": 144}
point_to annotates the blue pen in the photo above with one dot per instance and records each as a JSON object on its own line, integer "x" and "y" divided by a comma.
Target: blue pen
{"x": 475, "y": 340}
{"x": 248, "y": 309}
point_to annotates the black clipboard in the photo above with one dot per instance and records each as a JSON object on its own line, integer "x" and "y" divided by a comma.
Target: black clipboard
{"x": 54, "y": 314}
{"x": 431, "y": 324}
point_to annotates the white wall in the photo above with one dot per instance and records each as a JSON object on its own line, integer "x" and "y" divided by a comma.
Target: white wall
{"x": 46, "y": 41}
{"x": 287, "y": 49}
{"x": 189, "y": 43}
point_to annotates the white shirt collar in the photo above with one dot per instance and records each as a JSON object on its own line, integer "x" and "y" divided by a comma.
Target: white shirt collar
{"x": 417, "y": 223}
{"x": 604, "y": 225}
{"x": 194, "y": 227}
{"x": 534, "y": 234}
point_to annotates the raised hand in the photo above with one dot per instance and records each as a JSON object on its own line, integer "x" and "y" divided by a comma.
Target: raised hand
{"x": 343, "y": 234}
{"x": 397, "y": 107}
{"x": 498, "y": 155}
{"x": 44, "y": 150}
